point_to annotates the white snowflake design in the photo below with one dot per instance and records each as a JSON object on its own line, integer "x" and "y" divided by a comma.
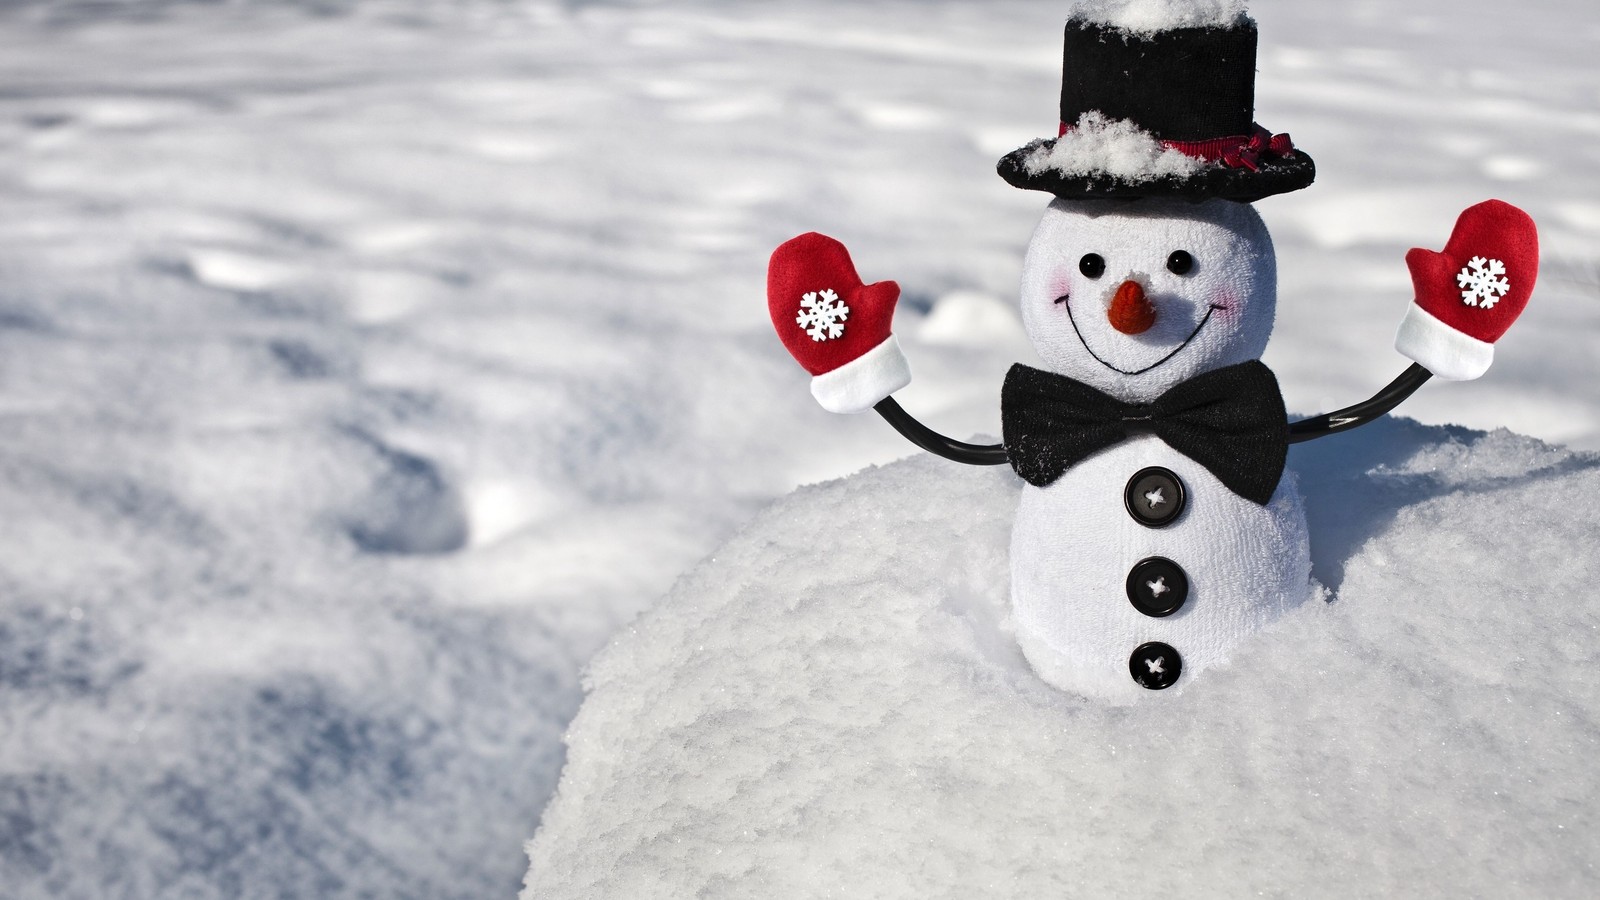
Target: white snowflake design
{"x": 1482, "y": 283}
{"x": 822, "y": 315}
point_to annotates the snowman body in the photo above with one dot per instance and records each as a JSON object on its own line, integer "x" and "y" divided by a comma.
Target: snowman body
{"x": 1157, "y": 527}
{"x": 1137, "y": 568}
{"x": 1074, "y": 549}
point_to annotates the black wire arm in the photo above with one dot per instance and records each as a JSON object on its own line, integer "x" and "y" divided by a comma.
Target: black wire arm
{"x": 1362, "y": 413}
{"x": 934, "y": 442}
{"x": 1304, "y": 430}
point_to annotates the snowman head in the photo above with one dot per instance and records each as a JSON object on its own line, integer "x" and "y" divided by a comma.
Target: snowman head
{"x": 1134, "y": 296}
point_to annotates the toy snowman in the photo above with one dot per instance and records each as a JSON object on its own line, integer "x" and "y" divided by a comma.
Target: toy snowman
{"x": 1157, "y": 525}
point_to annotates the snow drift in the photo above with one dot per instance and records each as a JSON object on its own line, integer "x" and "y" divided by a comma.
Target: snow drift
{"x": 832, "y": 705}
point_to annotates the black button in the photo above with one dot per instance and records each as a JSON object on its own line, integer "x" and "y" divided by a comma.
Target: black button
{"x": 1154, "y": 497}
{"x": 1155, "y": 665}
{"x": 1157, "y": 586}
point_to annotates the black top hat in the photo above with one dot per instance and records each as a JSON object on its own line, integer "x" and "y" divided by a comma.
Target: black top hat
{"x": 1191, "y": 91}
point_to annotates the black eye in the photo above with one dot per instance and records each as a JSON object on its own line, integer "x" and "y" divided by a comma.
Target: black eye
{"x": 1180, "y": 262}
{"x": 1092, "y": 265}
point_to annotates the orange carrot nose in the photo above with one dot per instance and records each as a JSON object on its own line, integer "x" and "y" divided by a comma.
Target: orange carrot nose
{"x": 1131, "y": 312}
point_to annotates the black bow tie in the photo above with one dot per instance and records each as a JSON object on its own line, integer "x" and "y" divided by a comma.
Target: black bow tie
{"x": 1230, "y": 420}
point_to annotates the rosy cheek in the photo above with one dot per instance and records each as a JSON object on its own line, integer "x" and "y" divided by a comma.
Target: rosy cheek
{"x": 1060, "y": 285}
{"x": 1226, "y": 307}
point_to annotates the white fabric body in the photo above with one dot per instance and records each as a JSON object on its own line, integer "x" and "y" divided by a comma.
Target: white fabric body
{"x": 859, "y": 384}
{"x": 1441, "y": 349}
{"x": 1073, "y": 542}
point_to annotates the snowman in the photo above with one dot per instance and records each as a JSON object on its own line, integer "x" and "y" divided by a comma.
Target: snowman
{"x": 1157, "y": 525}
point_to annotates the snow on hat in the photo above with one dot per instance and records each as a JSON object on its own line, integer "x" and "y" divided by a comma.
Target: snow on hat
{"x": 1158, "y": 99}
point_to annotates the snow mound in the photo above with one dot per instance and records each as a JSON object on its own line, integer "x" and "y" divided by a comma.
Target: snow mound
{"x": 832, "y": 705}
{"x": 1115, "y": 147}
{"x": 1150, "y": 16}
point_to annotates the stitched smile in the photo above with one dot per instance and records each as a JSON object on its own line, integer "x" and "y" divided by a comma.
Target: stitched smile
{"x": 1213, "y": 308}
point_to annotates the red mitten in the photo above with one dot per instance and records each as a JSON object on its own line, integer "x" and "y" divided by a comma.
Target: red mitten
{"x": 1469, "y": 294}
{"x": 835, "y": 326}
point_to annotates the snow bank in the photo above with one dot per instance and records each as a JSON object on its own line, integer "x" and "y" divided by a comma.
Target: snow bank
{"x": 1115, "y": 147}
{"x": 832, "y": 706}
{"x": 1149, "y": 16}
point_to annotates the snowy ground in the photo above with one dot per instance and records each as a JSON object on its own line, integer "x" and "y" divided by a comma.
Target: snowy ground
{"x": 367, "y": 366}
{"x": 833, "y": 705}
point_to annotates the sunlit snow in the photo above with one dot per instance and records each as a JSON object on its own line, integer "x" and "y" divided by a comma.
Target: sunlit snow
{"x": 368, "y": 366}
{"x": 833, "y": 705}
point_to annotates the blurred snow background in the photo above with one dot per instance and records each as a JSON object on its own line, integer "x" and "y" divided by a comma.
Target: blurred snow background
{"x": 366, "y": 366}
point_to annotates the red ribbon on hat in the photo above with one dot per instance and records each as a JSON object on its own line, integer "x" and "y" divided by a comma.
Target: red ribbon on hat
{"x": 1239, "y": 151}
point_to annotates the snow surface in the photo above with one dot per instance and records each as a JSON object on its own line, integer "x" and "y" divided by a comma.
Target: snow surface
{"x": 1116, "y": 147}
{"x": 832, "y": 705}
{"x": 366, "y": 365}
{"x": 1150, "y": 16}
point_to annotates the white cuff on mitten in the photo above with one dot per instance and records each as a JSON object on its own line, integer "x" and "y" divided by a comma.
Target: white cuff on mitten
{"x": 1440, "y": 349}
{"x": 859, "y": 384}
